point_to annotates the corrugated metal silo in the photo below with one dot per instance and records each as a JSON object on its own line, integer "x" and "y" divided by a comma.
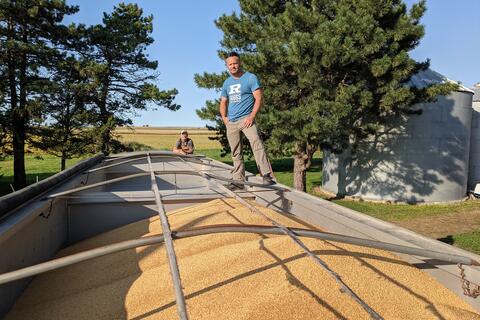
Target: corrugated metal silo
{"x": 420, "y": 158}
{"x": 474, "y": 173}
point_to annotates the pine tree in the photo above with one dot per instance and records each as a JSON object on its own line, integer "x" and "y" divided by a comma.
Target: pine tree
{"x": 123, "y": 73}
{"x": 3, "y": 131}
{"x": 30, "y": 31}
{"x": 64, "y": 131}
{"x": 210, "y": 111}
{"x": 333, "y": 71}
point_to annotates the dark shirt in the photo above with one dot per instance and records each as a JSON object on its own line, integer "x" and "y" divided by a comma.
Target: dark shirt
{"x": 187, "y": 143}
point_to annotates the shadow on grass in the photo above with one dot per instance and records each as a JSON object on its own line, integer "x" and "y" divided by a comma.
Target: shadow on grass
{"x": 448, "y": 239}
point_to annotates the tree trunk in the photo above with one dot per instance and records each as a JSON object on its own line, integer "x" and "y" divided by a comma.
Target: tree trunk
{"x": 104, "y": 114}
{"x": 299, "y": 172}
{"x": 18, "y": 125}
{"x": 106, "y": 141}
{"x": 302, "y": 160}
{"x": 18, "y": 135}
{"x": 19, "y": 176}
{"x": 105, "y": 130}
{"x": 63, "y": 160}
{"x": 67, "y": 133}
{"x": 22, "y": 120}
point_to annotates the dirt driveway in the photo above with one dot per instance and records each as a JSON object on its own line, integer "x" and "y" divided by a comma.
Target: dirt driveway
{"x": 443, "y": 225}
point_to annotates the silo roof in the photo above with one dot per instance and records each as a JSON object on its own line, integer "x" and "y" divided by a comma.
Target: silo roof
{"x": 476, "y": 92}
{"x": 428, "y": 77}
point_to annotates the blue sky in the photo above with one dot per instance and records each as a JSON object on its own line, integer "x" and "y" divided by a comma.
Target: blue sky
{"x": 186, "y": 42}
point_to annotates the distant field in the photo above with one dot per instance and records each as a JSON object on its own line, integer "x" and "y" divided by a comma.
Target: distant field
{"x": 165, "y": 138}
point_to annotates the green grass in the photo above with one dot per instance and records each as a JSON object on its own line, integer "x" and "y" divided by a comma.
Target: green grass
{"x": 469, "y": 241}
{"x": 38, "y": 166}
{"x": 393, "y": 212}
{"x": 213, "y": 153}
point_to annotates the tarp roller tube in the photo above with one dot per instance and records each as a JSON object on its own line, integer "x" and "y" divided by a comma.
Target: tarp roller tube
{"x": 129, "y": 244}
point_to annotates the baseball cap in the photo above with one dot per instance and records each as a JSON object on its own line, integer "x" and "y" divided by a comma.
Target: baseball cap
{"x": 183, "y": 131}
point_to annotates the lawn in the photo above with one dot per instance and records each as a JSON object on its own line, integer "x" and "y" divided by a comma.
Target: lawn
{"x": 469, "y": 241}
{"x": 38, "y": 166}
{"x": 398, "y": 212}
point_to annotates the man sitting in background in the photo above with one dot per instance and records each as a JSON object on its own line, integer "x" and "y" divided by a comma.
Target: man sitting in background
{"x": 184, "y": 144}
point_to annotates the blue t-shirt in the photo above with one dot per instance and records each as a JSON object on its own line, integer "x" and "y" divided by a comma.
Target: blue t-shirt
{"x": 240, "y": 95}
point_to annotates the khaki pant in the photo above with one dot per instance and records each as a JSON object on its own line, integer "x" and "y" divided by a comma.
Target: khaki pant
{"x": 234, "y": 139}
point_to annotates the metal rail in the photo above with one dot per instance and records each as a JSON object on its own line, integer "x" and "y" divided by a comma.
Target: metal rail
{"x": 98, "y": 184}
{"x": 154, "y": 154}
{"x": 142, "y": 158}
{"x": 172, "y": 258}
{"x": 192, "y": 158}
{"x": 114, "y": 165}
{"x": 13, "y": 201}
{"x": 225, "y": 228}
{"x": 131, "y": 176}
{"x": 141, "y": 174}
{"x": 344, "y": 287}
{"x": 247, "y": 183}
{"x": 199, "y": 161}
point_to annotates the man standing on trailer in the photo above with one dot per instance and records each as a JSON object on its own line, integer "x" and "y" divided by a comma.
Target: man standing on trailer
{"x": 240, "y": 102}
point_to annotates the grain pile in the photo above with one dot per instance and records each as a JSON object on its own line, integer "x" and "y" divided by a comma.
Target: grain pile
{"x": 234, "y": 276}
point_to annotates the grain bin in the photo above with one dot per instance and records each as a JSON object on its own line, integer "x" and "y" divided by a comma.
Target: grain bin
{"x": 474, "y": 172}
{"x": 419, "y": 158}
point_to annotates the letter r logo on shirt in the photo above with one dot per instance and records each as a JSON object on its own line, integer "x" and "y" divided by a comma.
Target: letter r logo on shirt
{"x": 235, "y": 88}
